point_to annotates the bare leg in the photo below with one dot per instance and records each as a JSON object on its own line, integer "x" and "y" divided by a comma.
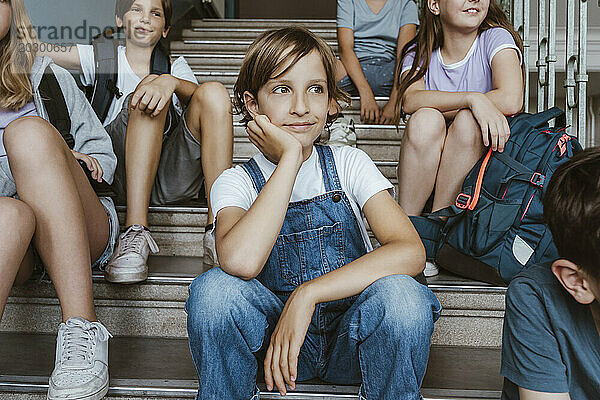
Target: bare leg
{"x": 71, "y": 224}
{"x": 210, "y": 120}
{"x": 420, "y": 156}
{"x": 143, "y": 147}
{"x": 18, "y": 224}
{"x": 463, "y": 147}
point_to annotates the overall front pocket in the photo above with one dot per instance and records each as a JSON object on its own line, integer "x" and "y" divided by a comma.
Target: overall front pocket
{"x": 306, "y": 255}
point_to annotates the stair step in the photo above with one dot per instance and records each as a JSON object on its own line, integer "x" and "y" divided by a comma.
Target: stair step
{"x": 199, "y": 46}
{"x": 472, "y": 312}
{"x": 263, "y": 23}
{"x": 158, "y": 367}
{"x": 242, "y": 33}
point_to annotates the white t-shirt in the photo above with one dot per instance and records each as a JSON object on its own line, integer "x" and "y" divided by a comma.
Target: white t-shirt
{"x": 127, "y": 80}
{"x": 359, "y": 177}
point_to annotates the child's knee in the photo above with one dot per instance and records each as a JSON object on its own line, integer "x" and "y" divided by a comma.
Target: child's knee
{"x": 465, "y": 129}
{"x": 425, "y": 128}
{"x": 406, "y": 307}
{"x": 212, "y": 297}
{"x": 211, "y": 96}
{"x": 19, "y": 216}
{"x": 32, "y": 138}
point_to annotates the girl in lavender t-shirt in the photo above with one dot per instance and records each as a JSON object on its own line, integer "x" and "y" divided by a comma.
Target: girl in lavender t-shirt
{"x": 467, "y": 76}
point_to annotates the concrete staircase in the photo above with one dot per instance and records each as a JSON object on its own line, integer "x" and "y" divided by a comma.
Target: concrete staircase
{"x": 150, "y": 355}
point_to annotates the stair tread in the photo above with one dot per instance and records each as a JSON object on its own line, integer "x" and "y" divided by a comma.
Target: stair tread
{"x": 165, "y": 269}
{"x": 162, "y": 362}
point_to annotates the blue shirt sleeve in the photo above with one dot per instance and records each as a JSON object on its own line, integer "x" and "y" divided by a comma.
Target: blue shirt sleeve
{"x": 531, "y": 357}
{"x": 410, "y": 14}
{"x": 345, "y": 14}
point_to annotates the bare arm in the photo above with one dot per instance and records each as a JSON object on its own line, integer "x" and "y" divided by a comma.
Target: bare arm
{"x": 244, "y": 239}
{"x": 405, "y": 35}
{"x": 64, "y": 56}
{"x": 526, "y": 394}
{"x": 506, "y": 95}
{"x": 368, "y": 105}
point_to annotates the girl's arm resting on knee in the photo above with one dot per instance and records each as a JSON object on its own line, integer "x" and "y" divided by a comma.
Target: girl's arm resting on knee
{"x": 65, "y": 56}
{"x": 525, "y": 394}
{"x": 354, "y": 70}
{"x": 401, "y": 252}
{"x": 506, "y": 95}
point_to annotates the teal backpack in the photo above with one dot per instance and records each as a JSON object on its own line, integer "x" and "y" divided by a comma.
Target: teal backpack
{"x": 495, "y": 229}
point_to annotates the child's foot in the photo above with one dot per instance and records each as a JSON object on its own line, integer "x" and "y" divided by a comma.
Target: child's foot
{"x": 81, "y": 365}
{"x": 342, "y": 133}
{"x": 209, "y": 257}
{"x": 430, "y": 269}
{"x": 129, "y": 262}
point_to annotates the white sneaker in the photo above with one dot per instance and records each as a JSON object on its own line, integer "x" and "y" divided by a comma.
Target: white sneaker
{"x": 342, "y": 133}
{"x": 129, "y": 261}
{"x": 209, "y": 257}
{"x": 81, "y": 365}
{"x": 430, "y": 269}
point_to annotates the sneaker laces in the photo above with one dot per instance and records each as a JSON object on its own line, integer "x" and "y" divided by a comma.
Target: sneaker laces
{"x": 134, "y": 237}
{"x": 79, "y": 339}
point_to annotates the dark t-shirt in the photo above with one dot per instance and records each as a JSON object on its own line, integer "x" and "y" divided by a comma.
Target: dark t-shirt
{"x": 550, "y": 342}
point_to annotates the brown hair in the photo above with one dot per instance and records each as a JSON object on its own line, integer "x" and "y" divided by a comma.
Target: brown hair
{"x": 264, "y": 58}
{"x": 430, "y": 37}
{"x": 17, "y": 54}
{"x": 123, "y": 6}
{"x": 572, "y": 210}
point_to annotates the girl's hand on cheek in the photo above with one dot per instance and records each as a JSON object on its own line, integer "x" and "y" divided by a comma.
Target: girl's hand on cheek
{"x": 281, "y": 361}
{"x": 273, "y": 141}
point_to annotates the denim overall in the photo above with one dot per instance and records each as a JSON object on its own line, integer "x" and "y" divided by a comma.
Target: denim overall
{"x": 380, "y": 337}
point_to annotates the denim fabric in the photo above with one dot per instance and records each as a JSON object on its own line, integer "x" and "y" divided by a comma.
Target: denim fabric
{"x": 379, "y": 73}
{"x": 380, "y": 337}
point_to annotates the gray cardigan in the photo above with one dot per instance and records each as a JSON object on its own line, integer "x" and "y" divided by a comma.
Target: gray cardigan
{"x": 90, "y": 137}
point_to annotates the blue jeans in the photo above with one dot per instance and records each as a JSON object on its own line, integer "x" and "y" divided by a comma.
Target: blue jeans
{"x": 382, "y": 339}
{"x": 379, "y": 73}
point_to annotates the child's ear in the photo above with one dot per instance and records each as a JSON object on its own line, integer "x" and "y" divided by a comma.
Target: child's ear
{"x": 166, "y": 32}
{"x": 434, "y": 6}
{"x": 119, "y": 21}
{"x": 573, "y": 280}
{"x": 251, "y": 104}
{"x": 334, "y": 107}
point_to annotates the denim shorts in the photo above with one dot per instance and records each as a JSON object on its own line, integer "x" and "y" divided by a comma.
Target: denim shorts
{"x": 379, "y": 73}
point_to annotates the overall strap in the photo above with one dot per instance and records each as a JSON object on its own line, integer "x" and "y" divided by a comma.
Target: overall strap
{"x": 328, "y": 169}
{"x": 258, "y": 179}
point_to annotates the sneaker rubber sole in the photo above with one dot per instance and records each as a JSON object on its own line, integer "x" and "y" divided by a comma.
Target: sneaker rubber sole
{"x": 126, "y": 277}
{"x": 94, "y": 396}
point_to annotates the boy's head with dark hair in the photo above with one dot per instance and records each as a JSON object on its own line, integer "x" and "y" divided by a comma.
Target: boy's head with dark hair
{"x": 572, "y": 210}
{"x": 145, "y": 21}
{"x": 274, "y": 53}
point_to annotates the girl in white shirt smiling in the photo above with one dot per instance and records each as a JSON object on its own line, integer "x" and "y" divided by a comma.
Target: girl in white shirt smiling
{"x": 299, "y": 282}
